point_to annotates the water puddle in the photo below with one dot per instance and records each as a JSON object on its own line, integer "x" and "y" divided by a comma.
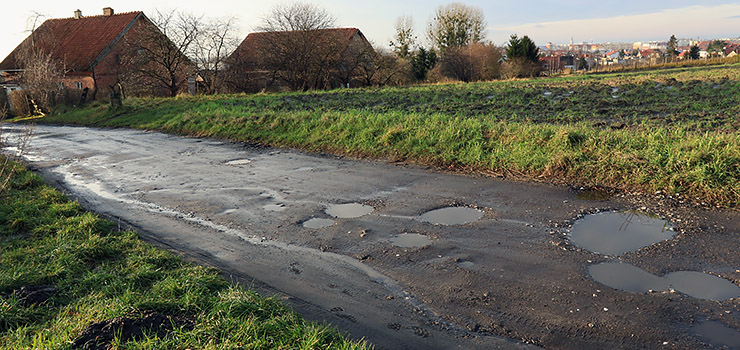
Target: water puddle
{"x": 593, "y": 194}
{"x": 717, "y": 334}
{"x": 616, "y": 233}
{"x": 274, "y": 207}
{"x": 349, "y": 210}
{"x": 627, "y": 277}
{"x": 318, "y": 223}
{"x": 237, "y": 162}
{"x": 452, "y": 216}
{"x": 703, "y": 286}
{"x": 466, "y": 265}
{"x": 633, "y": 279}
{"x": 410, "y": 240}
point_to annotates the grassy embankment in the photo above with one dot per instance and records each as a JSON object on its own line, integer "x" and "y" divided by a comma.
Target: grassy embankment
{"x": 76, "y": 271}
{"x": 671, "y": 130}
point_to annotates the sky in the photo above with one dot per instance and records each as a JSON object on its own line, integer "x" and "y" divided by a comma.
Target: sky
{"x": 555, "y": 21}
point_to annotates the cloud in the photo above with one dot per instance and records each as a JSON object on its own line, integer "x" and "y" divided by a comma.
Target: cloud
{"x": 688, "y": 22}
{"x": 734, "y": 17}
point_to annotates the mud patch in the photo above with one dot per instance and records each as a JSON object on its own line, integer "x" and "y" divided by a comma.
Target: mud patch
{"x": 100, "y": 335}
{"x": 451, "y": 216}
{"x": 617, "y": 233}
{"x": 411, "y": 240}
{"x": 717, "y": 334}
{"x": 593, "y": 194}
{"x": 318, "y": 223}
{"x": 627, "y": 277}
{"x": 349, "y": 210}
{"x": 703, "y": 286}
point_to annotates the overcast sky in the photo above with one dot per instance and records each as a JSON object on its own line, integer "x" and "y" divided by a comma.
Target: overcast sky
{"x": 543, "y": 20}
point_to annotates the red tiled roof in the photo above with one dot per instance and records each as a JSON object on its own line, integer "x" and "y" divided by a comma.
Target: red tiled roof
{"x": 251, "y": 48}
{"x": 76, "y": 42}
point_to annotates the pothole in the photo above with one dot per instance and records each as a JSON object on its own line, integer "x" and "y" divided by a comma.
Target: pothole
{"x": 703, "y": 286}
{"x": 617, "y": 233}
{"x": 630, "y": 278}
{"x": 274, "y": 207}
{"x": 349, "y": 210}
{"x": 627, "y": 277}
{"x": 237, "y": 162}
{"x": 411, "y": 240}
{"x": 717, "y": 334}
{"x": 452, "y": 216}
{"x": 318, "y": 223}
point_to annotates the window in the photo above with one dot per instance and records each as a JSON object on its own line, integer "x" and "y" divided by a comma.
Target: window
{"x": 78, "y": 85}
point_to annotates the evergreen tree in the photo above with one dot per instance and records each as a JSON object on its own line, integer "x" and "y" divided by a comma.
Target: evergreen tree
{"x": 694, "y": 52}
{"x": 522, "y": 47}
{"x": 422, "y": 62}
{"x": 673, "y": 46}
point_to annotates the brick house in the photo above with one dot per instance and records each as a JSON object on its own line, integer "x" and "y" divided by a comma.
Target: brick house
{"x": 90, "y": 49}
{"x": 264, "y": 60}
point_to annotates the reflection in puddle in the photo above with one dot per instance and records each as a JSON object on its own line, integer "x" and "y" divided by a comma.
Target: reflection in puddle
{"x": 626, "y": 277}
{"x": 703, "y": 286}
{"x": 410, "y": 240}
{"x": 274, "y": 207}
{"x": 633, "y": 279}
{"x": 452, "y": 216}
{"x": 318, "y": 223}
{"x": 616, "y": 233}
{"x": 239, "y": 162}
{"x": 717, "y": 334}
{"x": 349, "y": 210}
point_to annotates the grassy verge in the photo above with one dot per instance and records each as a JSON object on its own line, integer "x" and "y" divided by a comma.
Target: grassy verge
{"x": 673, "y": 130}
{"x": 63, "y": 269}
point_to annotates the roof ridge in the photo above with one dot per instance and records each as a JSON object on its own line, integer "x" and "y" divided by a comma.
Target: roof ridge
{"x": 95, "y": 16}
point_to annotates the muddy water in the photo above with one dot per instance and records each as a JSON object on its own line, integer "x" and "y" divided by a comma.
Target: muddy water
{"x": 717, "y": 334}
{"x": 316, "y": 223}
{"x": 349, "y": 210}
{"x": 627, "y": 277}
{"x": 703, "y": 286}
{"x": 410, "y": 240}
{"x": 617, "y": 233}
{"x": 452, "y": 216}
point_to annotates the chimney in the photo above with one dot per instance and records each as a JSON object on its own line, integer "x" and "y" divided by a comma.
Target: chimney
{"x": 107, "y": 11}
{"x": 78, "y": 14}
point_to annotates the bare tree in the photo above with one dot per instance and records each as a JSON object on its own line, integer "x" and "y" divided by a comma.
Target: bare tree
{"x": 405, "y": 38}
{"x": 42, "y": 75}
{"x": 296, "y": 47}
{"x": 156, "y": 56}
{"x": 216, "y": 40}
{"x": 456, "y": 25}
{"x": 474, "y": 62}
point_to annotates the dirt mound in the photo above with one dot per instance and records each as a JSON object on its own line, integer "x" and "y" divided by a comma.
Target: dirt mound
{"x": 98, "y": 336}
{"x": 33, "y": 295}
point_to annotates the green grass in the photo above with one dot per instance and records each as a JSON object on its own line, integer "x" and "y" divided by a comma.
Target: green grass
{"x": 673, "y": 130}
{"x": 100, "y": 273}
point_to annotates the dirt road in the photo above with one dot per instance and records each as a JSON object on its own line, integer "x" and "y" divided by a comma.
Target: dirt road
{"x": 385, "y": 269}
